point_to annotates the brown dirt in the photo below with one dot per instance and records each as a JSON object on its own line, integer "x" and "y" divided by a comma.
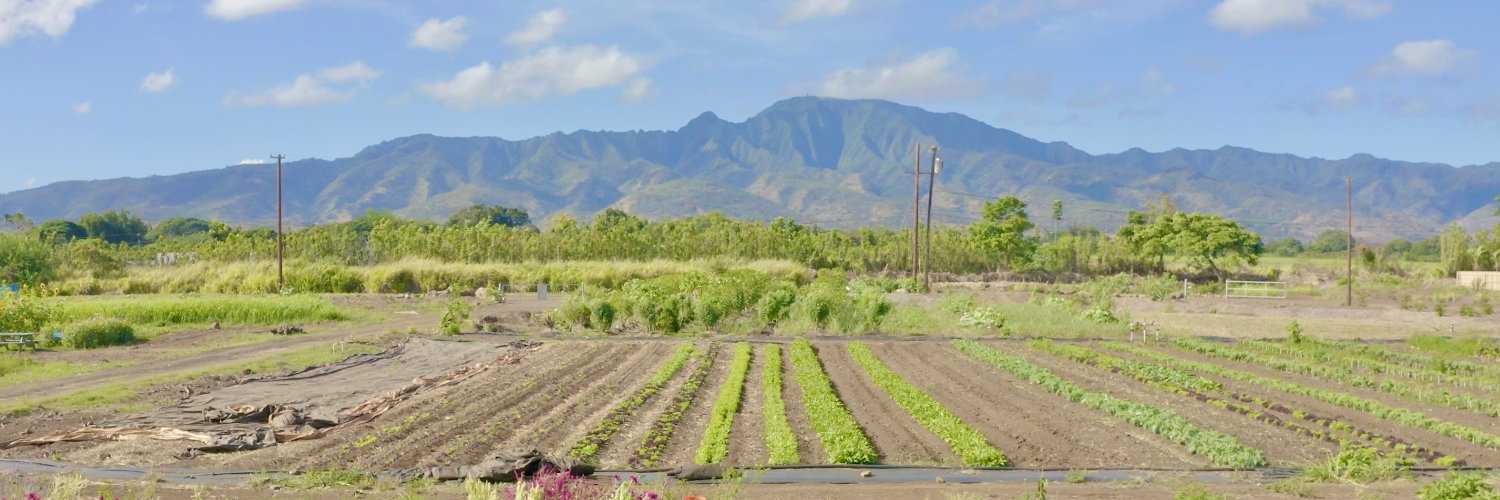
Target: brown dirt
{"x": 898, "y": 438}
{"x": 556, "y": 430}
{"x": 809, "y": 447}
{"x": 426, "y": 424}
{"x": 1469, "y": 452}
{"x": 747, "y": 439}
{"x": 1282, "y": 447}
{"x": 683, "y": 448}
{"x": 1032, "y": 427}
{"x": 616, "y": 453}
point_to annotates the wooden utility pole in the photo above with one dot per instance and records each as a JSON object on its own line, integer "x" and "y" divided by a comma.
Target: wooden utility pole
{"x": 1349, "y": 269}
{"x": 280, "y": 240}
{"x": 916, "y": 212}
{"x": 927, "y": 260}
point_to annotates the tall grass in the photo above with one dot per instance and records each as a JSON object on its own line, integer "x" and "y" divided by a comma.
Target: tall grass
{"x": 411, "y": 275}
{"x": 245, "y": 310}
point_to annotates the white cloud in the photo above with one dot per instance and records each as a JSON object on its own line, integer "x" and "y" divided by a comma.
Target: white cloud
{"x": 83, "y": 108}
{"x": 539, "y": 29}
{"x": 1342, "y": 98}
{"x": 23, "y": 18}
{"x": 1429, "y": 57}
{"x": 641, "y": 89}
{"x": 308, "y": 89}
{"x": 235, "y": 10}
{"x": 444, "y": 36}
{"x": 31, "y": 182}
{"x": 252, "y": 161}
{"x": 927, "y": 76}
{"x": 1253, "y": 16}
{"x": 1155, "y": 83}
{"x": 356, "y": 71}
{"x": 157, "y": 83}
{"x": 551, "y": 71}
{"x": 802, "y": 10}
{"x": 1027, "y": 85}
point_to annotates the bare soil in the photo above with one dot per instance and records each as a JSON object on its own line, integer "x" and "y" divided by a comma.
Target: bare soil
{"x": 897, "y": 437}
{"x": 747, "y": 439}
{"x": 1034, "y": 428}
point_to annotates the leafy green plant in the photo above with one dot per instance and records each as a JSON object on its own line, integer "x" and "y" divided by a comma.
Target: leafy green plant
{"x": 98, "y": 332}
{"x": 654, "y": 444}
{"x": 715, "y": 444}
{"x": 780, "y": 440}
{"x": 456, "y": 313}
{"x": 968, "y": 443}
{"x": 1221, "y": 449}
{"x": 1195, "y": 491}
{"x": 588, "y": 446}
{"x": 1459, "y": 486}
{"x": 1356, "y": 465}
{"x": 843, "y": 440}
{"x": 1294, "y": 332}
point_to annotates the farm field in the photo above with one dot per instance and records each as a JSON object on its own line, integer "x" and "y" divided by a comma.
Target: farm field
{"x": 1179, "y": 404}
{"x": 1167, "y": 408}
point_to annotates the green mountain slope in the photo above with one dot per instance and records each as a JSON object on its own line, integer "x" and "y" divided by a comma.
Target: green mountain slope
{"x": 837, "y": 163}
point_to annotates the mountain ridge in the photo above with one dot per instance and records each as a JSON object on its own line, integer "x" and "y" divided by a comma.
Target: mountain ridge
{"x": 833, "y": 162}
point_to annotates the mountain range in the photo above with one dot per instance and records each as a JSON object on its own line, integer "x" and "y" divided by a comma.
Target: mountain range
{"x": 830, "y": 162}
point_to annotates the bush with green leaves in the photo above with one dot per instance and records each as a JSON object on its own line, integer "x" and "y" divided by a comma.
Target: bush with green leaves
{"x": 98, "y": 332}
{"x": 1159, "y": 287}
{"x": 25, "y": 260}
{"x": 453, "y": 318}
{"x": 776, "y": 305}
{"x": 25, "y": 311}
{"x": 1472, "y": 485}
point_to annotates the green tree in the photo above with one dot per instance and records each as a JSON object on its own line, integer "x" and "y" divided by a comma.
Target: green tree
{"x": 178, "y": 227}
{"x": 1285, "y": 247}
{"x": 20, "y": 221}
{"x": 25, "y": 260}
{"x": 1057, "y": 214}
{"x": 1206, "y": 240}
{"x": 58, "y": 231}
{"x": 96, "y": 257}
{"x": 115, "y": 227}
{"x": 1330, "y": 241}
{"x": 498, "y": 215}
{"x": 1002, "y": 229}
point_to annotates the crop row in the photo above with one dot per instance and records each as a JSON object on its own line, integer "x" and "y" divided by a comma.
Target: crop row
{"x": 780, "y": 439}
{"x": 1374, "y": 408}
{"x": 1221, "y": 449}
{"x": 654, "y": 444}
{"x": 842, "y": 438}
{"x": 1327, "y": 353}
{"x": 588, "y": 446}
{"x": 1211, "y": 392}
{"x": 969, "y": 444}
{"x": 1407, "y": 390}
{"x": 715, "y": 445}
{"x": 1442, "y": 364}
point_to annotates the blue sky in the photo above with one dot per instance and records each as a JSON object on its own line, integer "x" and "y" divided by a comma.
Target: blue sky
{"x": 102, "y": 88}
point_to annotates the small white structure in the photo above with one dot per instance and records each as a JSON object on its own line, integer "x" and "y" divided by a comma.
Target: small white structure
{"x": 1479, "y": 279}
{"x": 1254, "y": 289}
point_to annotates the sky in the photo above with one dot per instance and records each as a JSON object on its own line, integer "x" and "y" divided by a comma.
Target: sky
{"x": 93, "y": 89}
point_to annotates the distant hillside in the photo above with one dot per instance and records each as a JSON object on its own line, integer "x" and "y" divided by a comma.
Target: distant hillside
{"x": 837, "y": 163}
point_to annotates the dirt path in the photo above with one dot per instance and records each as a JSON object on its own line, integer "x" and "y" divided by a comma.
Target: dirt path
{"x": 196, "y": 362}
{"x": 1033, "y": 427}
{"x": 747, "y": 439}
{"x": 898, "y": 438}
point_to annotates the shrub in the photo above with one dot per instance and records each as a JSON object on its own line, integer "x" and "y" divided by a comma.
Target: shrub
{"x": 454, "y": 317}
{"x": 1159, "y": 287}
{"x": 98, "y": 332}
{"x": 601, "y": 314}
{"x": 1458, "y": 486}
{"x": 25, "y": 312}
{"x": 775, "y": 306}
